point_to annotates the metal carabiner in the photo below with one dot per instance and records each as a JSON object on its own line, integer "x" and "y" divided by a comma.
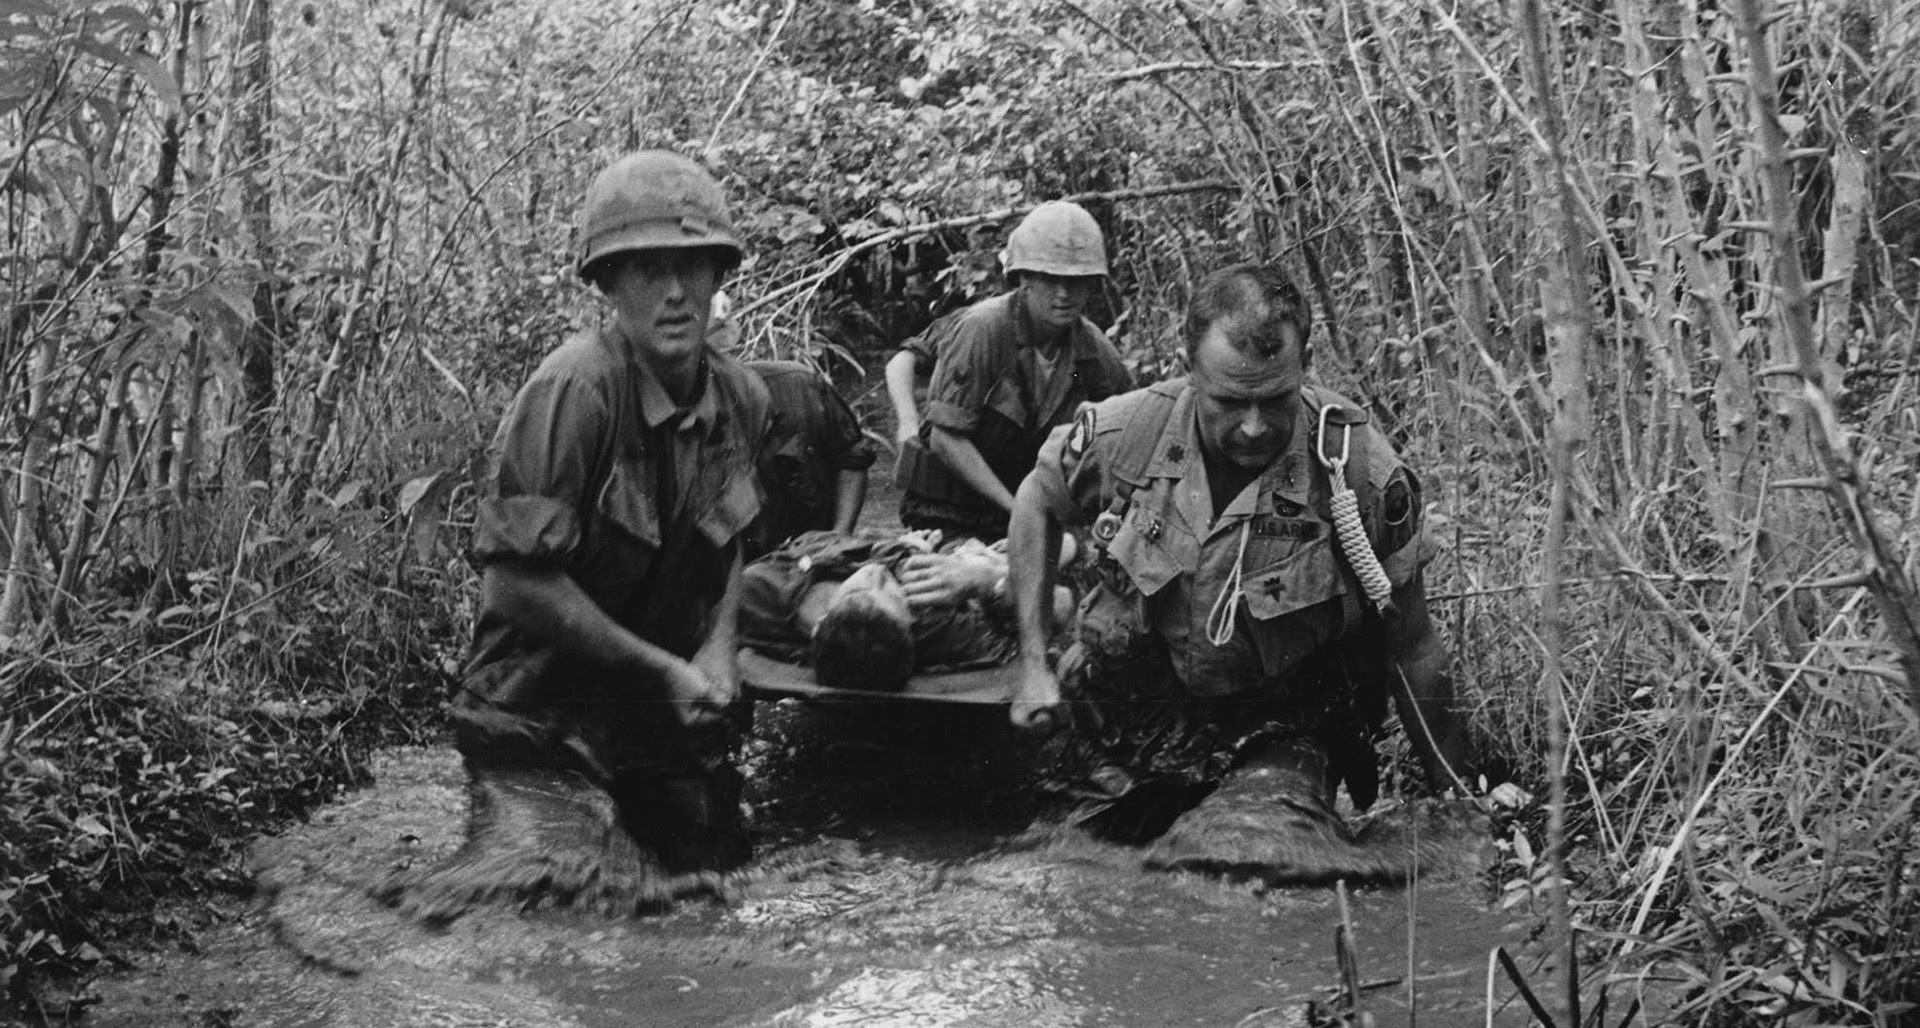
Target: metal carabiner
{"x": 1320, "y": 442}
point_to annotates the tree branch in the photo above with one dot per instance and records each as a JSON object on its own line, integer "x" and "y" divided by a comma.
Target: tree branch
{"x": 838, "y": 262}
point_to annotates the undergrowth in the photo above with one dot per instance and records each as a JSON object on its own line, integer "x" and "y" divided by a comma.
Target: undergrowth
{"x": 139, "y": 757}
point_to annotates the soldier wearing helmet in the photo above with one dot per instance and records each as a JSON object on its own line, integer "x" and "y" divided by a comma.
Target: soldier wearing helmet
{"x": 1260, "y": 550}
{"x": 1008, "y": 371}
{"x": 609, "y": 539}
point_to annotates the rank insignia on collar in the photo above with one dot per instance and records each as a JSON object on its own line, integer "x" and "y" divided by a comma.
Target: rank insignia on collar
{"x": 1176, "y": 453}
{"x": 1081, "y": 435}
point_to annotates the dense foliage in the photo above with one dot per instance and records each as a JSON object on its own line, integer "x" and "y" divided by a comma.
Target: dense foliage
{"x": 272, "y": 271}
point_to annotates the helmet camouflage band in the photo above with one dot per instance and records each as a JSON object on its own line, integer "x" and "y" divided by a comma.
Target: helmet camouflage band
{"x": 1058, "y": 238}
{"x": 654, "y": 200}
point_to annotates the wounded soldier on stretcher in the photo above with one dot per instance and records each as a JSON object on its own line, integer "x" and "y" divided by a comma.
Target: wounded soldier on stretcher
{"x": 868, "y": 609}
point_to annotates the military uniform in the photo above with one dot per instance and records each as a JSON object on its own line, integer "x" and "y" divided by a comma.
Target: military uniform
{"x": 1250, "y": 620}
{"x": 641, "y": 502}
{"x": 974, "y": 633}
{"x": 992, "y": 386}
{"x": 811, "y": 438}
{"x": 930, "y": 344}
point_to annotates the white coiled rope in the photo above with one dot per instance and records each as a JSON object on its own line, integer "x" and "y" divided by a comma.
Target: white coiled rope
{"x": 1347, "y": 526}
{"x": 1353, "y": 539}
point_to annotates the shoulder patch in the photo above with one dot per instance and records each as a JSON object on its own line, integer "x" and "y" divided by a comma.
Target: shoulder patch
{"x": 1081, "y": 435}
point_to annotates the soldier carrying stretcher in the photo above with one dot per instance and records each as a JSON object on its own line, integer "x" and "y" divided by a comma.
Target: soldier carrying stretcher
{"x": 1261, "y": 549}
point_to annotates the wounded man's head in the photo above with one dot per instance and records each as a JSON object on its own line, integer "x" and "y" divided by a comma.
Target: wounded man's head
{"x": 865, "y": 638}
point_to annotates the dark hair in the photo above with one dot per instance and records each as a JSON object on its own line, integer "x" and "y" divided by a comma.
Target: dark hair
{"x": 861, "y": 645}
{"x": 1254, "y": 302}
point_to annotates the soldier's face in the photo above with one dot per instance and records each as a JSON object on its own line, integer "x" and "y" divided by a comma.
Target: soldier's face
{"x": 662, "y": 299}
{"x": 1054, "y": 301}
{"x": 876, "y": 587}
{"x": 1246, "y": 403}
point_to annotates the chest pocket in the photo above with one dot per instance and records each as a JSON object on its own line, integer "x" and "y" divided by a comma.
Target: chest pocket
{"x": 1006, "y": 400}
{"x": 627, "y": 503}
{"x": 1153, "y": 548}
{"x": 1291, "y": 574}
{"x": 730, "y": 511}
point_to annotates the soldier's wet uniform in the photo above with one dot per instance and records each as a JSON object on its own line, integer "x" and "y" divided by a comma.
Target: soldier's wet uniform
{"x": 812, "y": 437}
{"x": 975, "y": 633}
{"x": 600, "y": 475}
{"x": 1217, "y": 638}
{"x": 995, "y": 386}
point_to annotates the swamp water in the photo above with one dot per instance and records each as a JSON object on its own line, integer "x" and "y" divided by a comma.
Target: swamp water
{"x": 915, "y": 883}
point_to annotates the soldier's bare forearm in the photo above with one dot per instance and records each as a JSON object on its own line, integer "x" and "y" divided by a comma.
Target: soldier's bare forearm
{"x": 546, "y": 602}
{"x": 1031, "y": 538}
{"x": 716, "y": 656}
{"x": 964, "y": 459}
{"x": 902, "y": 370}
{"x": 850, "y": 495}
{"x": 1423, "y": 690}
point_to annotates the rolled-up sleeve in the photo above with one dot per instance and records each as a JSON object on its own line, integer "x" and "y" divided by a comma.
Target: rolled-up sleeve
{"x": 927, "y": 346}
{"x": 850, "y": 447}
{"x": 1068, "y": 470}
{"x": 543, "y": 456}
{"x": 966, "y": 372}
{"x": 1397, "y": 529}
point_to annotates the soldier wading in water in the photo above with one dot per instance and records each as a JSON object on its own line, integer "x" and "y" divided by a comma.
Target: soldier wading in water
{"x": 609, "y": 540}
{"x": 1241, "y": 643}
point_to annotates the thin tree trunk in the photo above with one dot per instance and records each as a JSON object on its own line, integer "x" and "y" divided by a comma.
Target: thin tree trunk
{"x": 1662, "y": 216}
{"x": 1884, "y": 571}
{"x": 253, "y": 104}
{"x": 1564, "y": 301}
{"x": 326, "y": 398}
{"x": 21, "y": 563}
{"x": 73, "y": 558}
{"x": 1852, "y": 145}
{"x": 129, "y": 331}
{"x": 186, "y": 461}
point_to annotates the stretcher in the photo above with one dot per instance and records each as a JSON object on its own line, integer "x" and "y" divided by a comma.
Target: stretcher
{"x": 766, "y": 678}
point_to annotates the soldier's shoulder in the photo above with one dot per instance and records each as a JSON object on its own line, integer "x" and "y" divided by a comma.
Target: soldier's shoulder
{"x": 1126, "y": 420}
{"x": 992, "y": 316}
{"x": 1383, "y": 460}
{"x": 581, "y": 355}
{"x": 1319, "y": 396}
{"x": 772, "y": 369}
{"x": 789, "y": 382}
{"x": 1118, "y": 410}
{"x": 739, "y": 384}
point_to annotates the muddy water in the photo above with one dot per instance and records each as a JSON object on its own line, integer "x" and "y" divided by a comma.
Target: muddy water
{"x": 924, "y": 886}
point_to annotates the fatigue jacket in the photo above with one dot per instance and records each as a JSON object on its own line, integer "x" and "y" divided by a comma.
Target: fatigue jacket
{"x": 977, "y": 632}
{"x": 1179, "y": 559}
{"x": 990, "y": 387}
{"x": 599, "y": 474}
{"x": 812, "y": 436}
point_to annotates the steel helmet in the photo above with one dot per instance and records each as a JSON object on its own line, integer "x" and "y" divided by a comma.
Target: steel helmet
{"x": 654, "y": 200}
{"x": 1058, "y": 238}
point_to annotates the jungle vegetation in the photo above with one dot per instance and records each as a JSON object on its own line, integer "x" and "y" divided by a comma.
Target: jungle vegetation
{"x": 1635, "y": 284}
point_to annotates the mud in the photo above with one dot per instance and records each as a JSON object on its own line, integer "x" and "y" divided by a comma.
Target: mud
{"x": 907, "y": 875}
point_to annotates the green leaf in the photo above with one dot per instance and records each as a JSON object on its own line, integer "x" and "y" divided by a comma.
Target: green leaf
{"x": 414, "y": 490}
{"x": 27, "y": 8}
{"x": 159, "y": 77}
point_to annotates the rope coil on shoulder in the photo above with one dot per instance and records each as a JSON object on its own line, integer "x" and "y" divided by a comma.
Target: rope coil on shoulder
{"x": 1346, "y": 521}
